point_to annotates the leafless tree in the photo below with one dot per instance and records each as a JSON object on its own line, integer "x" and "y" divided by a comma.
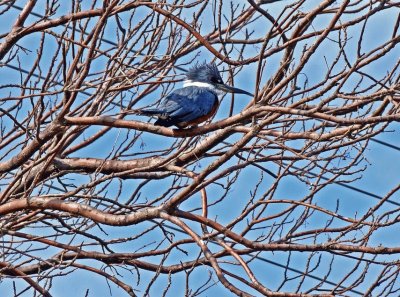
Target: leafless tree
{"x": 91, "y": 192}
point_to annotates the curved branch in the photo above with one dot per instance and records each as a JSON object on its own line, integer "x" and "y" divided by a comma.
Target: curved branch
{"x": 6, "y": 268}
{"x": 80, "y": 210}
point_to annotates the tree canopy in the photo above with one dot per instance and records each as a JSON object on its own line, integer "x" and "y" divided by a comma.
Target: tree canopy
{"x": 261, "y": 200}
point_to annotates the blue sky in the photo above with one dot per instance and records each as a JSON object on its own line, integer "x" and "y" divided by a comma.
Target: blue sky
{"x": 378, "y": 178}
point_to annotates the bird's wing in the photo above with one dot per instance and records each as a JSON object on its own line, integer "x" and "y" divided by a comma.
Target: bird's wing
{"x": 188, "y": 103}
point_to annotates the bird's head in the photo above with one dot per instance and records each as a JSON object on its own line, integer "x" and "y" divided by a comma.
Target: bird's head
{"x": 207, "y": 75}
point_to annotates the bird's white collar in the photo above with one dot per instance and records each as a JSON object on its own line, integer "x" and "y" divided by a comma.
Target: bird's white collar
{"x": 190, "y": 83}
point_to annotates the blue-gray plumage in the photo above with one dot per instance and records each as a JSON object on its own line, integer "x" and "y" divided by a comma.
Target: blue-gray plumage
{"x": 196, "y": 102}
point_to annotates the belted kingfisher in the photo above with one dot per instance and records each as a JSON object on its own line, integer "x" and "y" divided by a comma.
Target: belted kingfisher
{"x": 196, "y": 102}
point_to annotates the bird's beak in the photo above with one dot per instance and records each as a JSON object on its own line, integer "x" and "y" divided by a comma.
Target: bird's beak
{"x": 230, "y": 89}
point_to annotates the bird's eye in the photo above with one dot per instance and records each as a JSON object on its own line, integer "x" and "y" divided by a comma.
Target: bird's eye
{"x": 216, "y": 80}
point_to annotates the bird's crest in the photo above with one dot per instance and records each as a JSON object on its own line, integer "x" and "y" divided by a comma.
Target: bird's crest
{"x": 204, "y": 73}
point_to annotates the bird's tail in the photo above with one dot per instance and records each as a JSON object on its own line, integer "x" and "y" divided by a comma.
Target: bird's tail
{"x": 161, "y": 121}
{"x": 144, "y": 111}
{"x": 167, "y": 122}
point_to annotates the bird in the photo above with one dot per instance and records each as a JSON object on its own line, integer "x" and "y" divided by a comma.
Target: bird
{"x": 194, "y": 103}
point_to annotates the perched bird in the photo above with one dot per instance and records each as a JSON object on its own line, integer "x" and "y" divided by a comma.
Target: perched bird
{"x": 196, "y": 102}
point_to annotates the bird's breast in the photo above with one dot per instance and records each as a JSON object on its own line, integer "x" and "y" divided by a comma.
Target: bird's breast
{"x": 202, "y": 118}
